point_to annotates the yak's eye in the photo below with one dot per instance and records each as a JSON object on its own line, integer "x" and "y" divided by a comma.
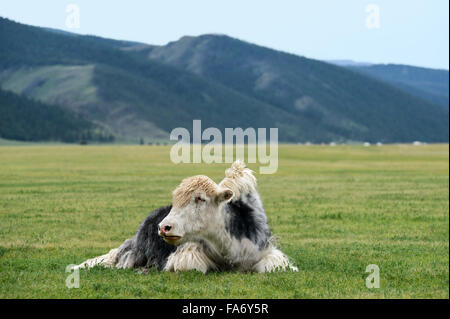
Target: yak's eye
{"x": 198, "y": 199}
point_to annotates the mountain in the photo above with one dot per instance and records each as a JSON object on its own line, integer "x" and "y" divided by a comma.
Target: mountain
{"x": 136, "y": 90}
{"x": 325, "y": 100}
{"x": 429, "y": 84}
{"x": 132, "y": 96}
{"x": 28, "y": 120}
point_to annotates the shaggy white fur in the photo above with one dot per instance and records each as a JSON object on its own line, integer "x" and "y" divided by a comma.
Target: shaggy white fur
{"x": 108, "y": 260}
{"x": 189, "y": 256}
{"x": 273, "y": 260}
{"x": 239, "y": 179}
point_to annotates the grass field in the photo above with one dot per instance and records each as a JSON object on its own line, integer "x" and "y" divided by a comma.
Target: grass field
{"x": 335, "y": 211}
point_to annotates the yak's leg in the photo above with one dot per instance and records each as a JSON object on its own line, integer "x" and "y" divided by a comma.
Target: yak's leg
{"x": 107, "y": 260}
{"x": 189, "y": 256}
{"x": 274, "y": 260}
{"x": 121, "y": 257}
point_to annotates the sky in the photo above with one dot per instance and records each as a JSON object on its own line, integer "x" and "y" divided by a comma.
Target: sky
{"x": 414, "y": 32}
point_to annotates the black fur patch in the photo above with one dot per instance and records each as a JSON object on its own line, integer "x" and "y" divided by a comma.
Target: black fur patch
{"x": 244, "y": 222}
{"x": 146, "y": 248}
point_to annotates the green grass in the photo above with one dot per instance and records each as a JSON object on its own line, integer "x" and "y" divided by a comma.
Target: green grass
{"x": 4, "y": 142}
{"x": 335, "y": 211}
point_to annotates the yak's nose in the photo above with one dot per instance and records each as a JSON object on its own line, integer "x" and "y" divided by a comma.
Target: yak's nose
{"x": 164, "y": 228}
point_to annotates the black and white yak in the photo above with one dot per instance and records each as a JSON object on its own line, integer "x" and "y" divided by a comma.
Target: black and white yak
{"x": 208, "y": 227}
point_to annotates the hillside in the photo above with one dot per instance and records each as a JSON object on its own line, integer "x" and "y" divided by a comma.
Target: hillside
{"x": 322, "y": 97}
{"x": 23, "y": 119}
{"x": 141, "y": 91}
{"x": 132, "y": 96}
{"x": 429, "y": 84}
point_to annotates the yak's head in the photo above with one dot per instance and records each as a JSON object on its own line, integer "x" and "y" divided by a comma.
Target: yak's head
{"x": 195, "y": 212}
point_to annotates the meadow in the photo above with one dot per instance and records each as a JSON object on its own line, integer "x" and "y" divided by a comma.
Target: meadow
{"x": 335, "y": 210}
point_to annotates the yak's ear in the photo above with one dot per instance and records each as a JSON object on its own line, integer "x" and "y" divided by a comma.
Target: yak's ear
{"x": 224, "y": 195}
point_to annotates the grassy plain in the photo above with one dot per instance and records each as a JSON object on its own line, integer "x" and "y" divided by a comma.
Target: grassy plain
{"x": 335, "y": 211}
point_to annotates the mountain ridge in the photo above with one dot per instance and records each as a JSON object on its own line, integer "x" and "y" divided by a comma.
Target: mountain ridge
{"x": 431, "y": 85}
{"x": 138, "y": 90}
{"x": 259, "y": 71}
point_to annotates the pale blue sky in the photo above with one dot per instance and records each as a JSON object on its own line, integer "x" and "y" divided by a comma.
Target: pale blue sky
{"x": 412, "y": 32}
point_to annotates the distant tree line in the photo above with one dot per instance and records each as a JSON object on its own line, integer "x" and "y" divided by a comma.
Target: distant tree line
{"x": 24, "y": 119}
